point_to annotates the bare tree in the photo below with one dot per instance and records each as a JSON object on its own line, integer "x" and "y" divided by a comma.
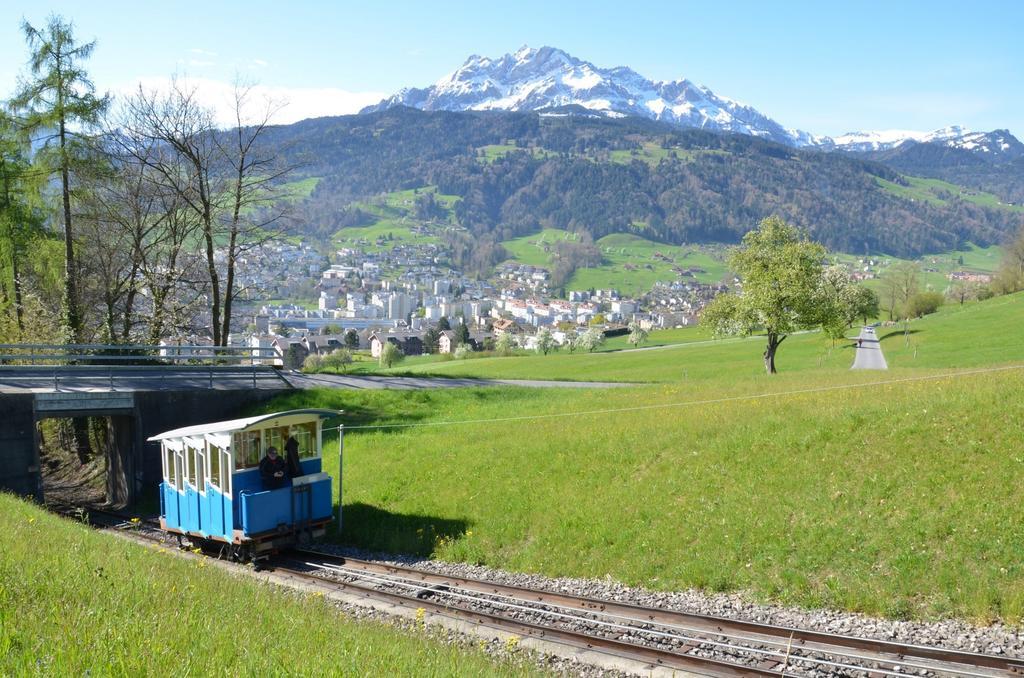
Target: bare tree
{"x": 226, "y": 180}
{"x": 256, "y": 176}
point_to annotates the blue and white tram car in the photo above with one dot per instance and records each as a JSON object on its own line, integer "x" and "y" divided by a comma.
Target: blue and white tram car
{"x": 212, "y": 490}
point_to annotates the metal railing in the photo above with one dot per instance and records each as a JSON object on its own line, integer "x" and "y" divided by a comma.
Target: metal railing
{"x": 120, "y": 366}
{"x": 134, "y": 354}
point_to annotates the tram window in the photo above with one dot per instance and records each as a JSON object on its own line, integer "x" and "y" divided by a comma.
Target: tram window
{"x": 190, "y": 467}
{"x": 225, "y": 464}
{"x": 247, "y": 449}
{"x": 214, "y": 458}
{"x": 305, "y": 434}
{"x": 179, "y": 463}
{"x": 276, "y": 437}
{"x": 170, "y": 471}
{"x": 199, "y": 459}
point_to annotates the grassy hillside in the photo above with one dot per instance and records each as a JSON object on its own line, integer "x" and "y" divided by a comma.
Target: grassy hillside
{"x": 939, "y": 192}
{"x": 75, "y": 602}
{"x": 631, "y": 264}
{"x": 394, "y": 217}
{"x": 877, "y": 498}
{"x": 958, "y": 336}
{"x": 891, "y": 493}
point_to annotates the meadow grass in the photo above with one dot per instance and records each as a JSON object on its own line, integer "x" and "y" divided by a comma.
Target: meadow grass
{"x": 492, "y": 152}
{"x": 872, "y": 492}
{"x": 300, "y": 188}
{"x": 976, "y": 333}
{"x": 936, "y": 192}
{"x": 629, "y": 262}
{"x": 77, "y": 602}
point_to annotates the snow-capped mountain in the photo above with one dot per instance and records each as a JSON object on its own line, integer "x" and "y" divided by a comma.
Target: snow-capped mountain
{"x": 548, "y": 78}
{"x": 996, "y": 143}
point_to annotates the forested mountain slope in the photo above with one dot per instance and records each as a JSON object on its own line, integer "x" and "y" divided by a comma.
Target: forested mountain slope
{"x": 518, "y": 172}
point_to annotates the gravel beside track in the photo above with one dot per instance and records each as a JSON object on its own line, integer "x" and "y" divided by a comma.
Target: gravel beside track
{"x": 955, "y": 634}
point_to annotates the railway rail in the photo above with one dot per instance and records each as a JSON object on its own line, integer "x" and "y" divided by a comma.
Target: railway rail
{"x": 699, "y": 643}
{"x": 653, "y": 637}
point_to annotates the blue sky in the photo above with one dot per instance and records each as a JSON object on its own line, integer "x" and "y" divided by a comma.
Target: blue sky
{"x": 827, "y": 68}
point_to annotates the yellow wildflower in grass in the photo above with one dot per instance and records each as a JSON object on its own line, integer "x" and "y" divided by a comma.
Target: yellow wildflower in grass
{"x": 421, "y": 617}
{"x": 511, "y": 643}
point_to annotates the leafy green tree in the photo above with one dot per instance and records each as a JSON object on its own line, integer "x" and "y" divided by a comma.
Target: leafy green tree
{"x": 430, "y": 340}
{"x": 592, "y": 339}
{"x": 294, "y": 357}
{"x": 352, "y": 340}
{"x": 900, "y": 282}
{"x": 1010, "y": 276}
{"x": 637, "y": 334}
{"x": 842, "y": 302}
{"x": 59, "y": 107}
{"x": 462, "y": 352}
{"x": 19, "y": 222}
{"x": 390, "y": 355}
{"x": 443, "y": 325}
{"x": 545, "y": 341}
{"x": 313, "y": 363}
{"x": 331, "y": 328}
{"x": 780, "y": 271}
{"x": 922, "y": 304}
{"x": 505, "y": 344}
{"x": 572, "y": 341}
{"x": 338, "y": 359}
{"x": 461, "y": 334}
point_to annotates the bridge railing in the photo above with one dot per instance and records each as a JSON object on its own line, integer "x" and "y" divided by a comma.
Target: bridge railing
{"x": 135, "y": 354}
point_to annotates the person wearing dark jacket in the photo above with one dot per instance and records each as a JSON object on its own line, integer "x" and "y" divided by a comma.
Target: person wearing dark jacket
{"x": 273, "y": 470}
{"x": 291, "y": 454}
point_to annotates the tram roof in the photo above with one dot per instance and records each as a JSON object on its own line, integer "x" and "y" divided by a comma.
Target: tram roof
{"x": 234, "y": 425}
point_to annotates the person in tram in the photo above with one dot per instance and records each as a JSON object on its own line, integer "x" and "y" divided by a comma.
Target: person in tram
{"x": 291, "y": 455}
{"x": 273, "y": 470}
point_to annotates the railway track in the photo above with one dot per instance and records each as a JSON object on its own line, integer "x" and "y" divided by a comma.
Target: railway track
{"x": 672, "y": 640}
{"x": 697, "y": 643}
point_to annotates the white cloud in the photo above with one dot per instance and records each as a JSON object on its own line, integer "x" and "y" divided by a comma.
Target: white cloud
{"x": 200, "y": 63}
{"x": 202, "y": 52}
{"x": 259, "y": 62}
{"x": 293, "y": 103}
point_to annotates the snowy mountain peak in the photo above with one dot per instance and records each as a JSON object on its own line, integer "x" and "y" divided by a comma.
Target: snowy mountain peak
{"x": 544, "y": 78}
{"x": 995, "y": 143}
{"x": 541, "y": 78}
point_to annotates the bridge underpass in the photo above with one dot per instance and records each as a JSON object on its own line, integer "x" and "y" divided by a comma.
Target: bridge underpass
{"x": 135, "y": 401}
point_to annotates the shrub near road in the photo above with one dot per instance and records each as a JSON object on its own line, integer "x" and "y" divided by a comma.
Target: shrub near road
{"x": 76, "y": 602}
{"x": 900, "y": 499}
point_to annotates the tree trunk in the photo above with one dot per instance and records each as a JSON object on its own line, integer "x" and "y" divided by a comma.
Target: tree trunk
{"x": 211, "y": 267}
{"x": 769, "y": 353}
{"x": 71, "y": 320}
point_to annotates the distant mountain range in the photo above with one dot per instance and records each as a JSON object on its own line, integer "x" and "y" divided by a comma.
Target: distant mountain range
{"x": 552, "y": 82}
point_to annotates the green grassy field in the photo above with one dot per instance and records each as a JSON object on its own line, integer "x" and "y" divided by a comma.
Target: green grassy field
{"x": 631, "y": 264}
{"x": 395, "y": 217}
{"x": 76, "y": 602}
{"x": 958, "y": 336}
{"x": 301, "y": 188}
{"x": 652, "y": 154}
{"x": 935, "y": 268}
{"x": 492, "y": 152}
{"x": 939, "y": 192}
{"x": 893, "y": 493}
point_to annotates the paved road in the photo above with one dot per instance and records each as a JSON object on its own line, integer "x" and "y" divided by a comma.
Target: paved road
{"x": 89, "y": 378}
{"x": 869, "y": 353}
{"x": 299, "y": 380}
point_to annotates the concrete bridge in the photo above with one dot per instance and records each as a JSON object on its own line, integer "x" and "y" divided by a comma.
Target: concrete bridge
{"x": 137, "y": 401}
